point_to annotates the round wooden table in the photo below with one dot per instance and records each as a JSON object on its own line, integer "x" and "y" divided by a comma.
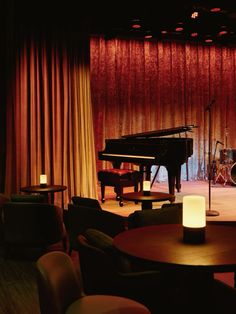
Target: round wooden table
{"x": 47, "y": 190}
{"x": 147, "y": 200}
{"x": 188, "y": 268}
{"x": 163, "y": 245}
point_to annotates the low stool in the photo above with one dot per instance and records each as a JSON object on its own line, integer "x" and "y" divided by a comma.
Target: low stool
{"x": 118, "y": 178}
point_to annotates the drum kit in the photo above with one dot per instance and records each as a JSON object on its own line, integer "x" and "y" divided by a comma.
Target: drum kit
{"x": 225, "y": 172}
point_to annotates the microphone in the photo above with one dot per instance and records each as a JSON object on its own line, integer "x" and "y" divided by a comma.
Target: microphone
{"x": 209, "y": 106}
{"x": 220, "y": 142}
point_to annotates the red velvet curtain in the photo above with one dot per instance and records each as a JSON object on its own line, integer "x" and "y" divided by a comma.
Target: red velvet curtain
{"x": 139, "y": 86}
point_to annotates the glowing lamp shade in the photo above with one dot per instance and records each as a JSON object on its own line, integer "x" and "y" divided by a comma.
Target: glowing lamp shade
{"x": 194, "y": 219}
{"x": 146, "y": 187}
{"x": 43, "y": 180}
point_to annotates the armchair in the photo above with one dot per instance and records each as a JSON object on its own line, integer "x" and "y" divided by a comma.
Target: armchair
{"x": 168, "y": 213}
{"x": 60, "y": 290}
{"x": 80, "y": 218}
{"x": 86, "y": 202}
{"x": 105, "y": 270}
{"x": 32, "y": 225}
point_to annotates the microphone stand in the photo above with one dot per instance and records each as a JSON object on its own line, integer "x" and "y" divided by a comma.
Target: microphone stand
{"x": 210, "y": 212}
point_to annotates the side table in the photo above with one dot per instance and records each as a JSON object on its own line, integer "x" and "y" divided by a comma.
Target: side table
{"x": 46, "y": 191}
{"x": 147, "y": 200}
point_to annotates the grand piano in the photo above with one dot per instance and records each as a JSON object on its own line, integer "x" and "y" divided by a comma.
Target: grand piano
{"x": 152, "y": 148}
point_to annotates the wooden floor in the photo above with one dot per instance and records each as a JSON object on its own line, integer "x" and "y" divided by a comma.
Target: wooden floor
{"x": 222, "y": 198}
{"x": 18, "y": 290}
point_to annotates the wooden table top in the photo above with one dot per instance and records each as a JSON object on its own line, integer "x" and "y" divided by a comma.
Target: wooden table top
{"x": 163, "y": 245}
{"x": 153, "y": 197}
{"x": 47, "y": 189}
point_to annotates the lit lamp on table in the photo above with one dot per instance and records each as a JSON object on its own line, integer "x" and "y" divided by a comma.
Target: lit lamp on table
{"x": 43, "y": 180}
{"x": 194, "y": 219}
{"x": 146, "y": 187}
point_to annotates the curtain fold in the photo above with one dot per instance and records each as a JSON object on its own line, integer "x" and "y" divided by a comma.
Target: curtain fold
{"x": 50, "y": 121}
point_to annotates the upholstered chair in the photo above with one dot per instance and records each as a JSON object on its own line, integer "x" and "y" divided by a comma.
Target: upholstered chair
{"x": 105, "y": 270}
{"x": 80, "y": 218}
{"x": 86, "y": 202}
{"x": 61, "y": 292}
{"x": 32, "y": 225}
{"x": 167, "y": 214}
{"x": 3, "y": 199}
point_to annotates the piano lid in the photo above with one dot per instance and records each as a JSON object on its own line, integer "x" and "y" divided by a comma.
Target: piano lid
{"x": 163, "y": 132}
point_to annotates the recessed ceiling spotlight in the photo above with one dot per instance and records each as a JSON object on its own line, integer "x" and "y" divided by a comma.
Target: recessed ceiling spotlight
{"x": 223, "y": 31}
{"x": 148, "y": 35}
{"x": 194, "y": 34}
{"x": 208, "y": 39}
{"x": 194, "y": 15}
{"x": 215, "y": 9}
{"x": 136, "y": 24}
{"x": 179, "y": 27}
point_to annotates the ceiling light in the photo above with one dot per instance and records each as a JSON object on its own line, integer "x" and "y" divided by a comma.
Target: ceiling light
{"x": 216, "y": 9}
{"x": 208, "y": 39}
{"x": 136, "y": 24}
{"x": 194, "y": 15}
{"x": 179, "y": 27}
{"x": 148, "y": 35}
{"x": 194, "y": 34}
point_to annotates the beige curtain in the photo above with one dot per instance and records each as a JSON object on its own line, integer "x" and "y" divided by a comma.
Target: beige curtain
{"x": 49, "y": 120}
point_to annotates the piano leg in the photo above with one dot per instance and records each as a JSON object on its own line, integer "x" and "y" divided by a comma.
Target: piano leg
{"x": 174, "y": 178}
{"x": 178, "y": 178}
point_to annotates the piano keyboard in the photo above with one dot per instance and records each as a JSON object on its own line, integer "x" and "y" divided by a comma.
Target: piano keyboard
{"x": 130, "y": 156}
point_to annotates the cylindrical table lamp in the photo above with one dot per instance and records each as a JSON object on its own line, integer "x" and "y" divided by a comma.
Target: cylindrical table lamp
{"x": 43, "y": 180}
{"x": 194, "y": 219}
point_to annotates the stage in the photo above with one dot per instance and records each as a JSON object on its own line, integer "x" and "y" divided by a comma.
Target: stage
{"x": 223, "y": 198}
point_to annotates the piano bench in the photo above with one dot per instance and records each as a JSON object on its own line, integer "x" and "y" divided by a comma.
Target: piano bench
{"x": 118, "y": 178}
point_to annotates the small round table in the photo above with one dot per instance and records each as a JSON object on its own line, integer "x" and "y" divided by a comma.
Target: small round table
{"x": 147, "y": 200}
{"x": 49, "y": 189}
{"x": 191, "y": 267}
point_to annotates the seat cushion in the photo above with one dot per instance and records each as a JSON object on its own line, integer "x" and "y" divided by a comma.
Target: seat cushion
{"x": 104, "y": 242}
{"x": 104, "y": 304}
{"x": 28, "y": 198}
{"x": 118, "y": 173}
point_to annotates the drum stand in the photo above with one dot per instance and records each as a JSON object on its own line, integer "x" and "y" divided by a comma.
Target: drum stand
{"x": 224, "y": 173}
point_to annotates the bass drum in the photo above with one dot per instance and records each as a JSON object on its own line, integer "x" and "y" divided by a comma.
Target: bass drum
{"x": 233, "y": 174}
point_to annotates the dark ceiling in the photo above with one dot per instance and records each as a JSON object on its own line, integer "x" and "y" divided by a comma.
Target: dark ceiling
{"x": 161, "y": 21}
{"x": 114, "y": 18}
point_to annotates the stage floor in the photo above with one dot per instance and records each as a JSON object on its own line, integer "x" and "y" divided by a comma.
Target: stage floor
{"x": 223, "y": 198}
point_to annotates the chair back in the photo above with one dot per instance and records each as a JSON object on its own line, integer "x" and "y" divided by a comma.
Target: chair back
{"x": 32, "y": 223}
{"x": 58, "y": 282}
{"x": 60, "y": 290}
{"x": 172, "y": 213}
{"x": 86, "y": 202}
{"x": 81, "y": 218}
